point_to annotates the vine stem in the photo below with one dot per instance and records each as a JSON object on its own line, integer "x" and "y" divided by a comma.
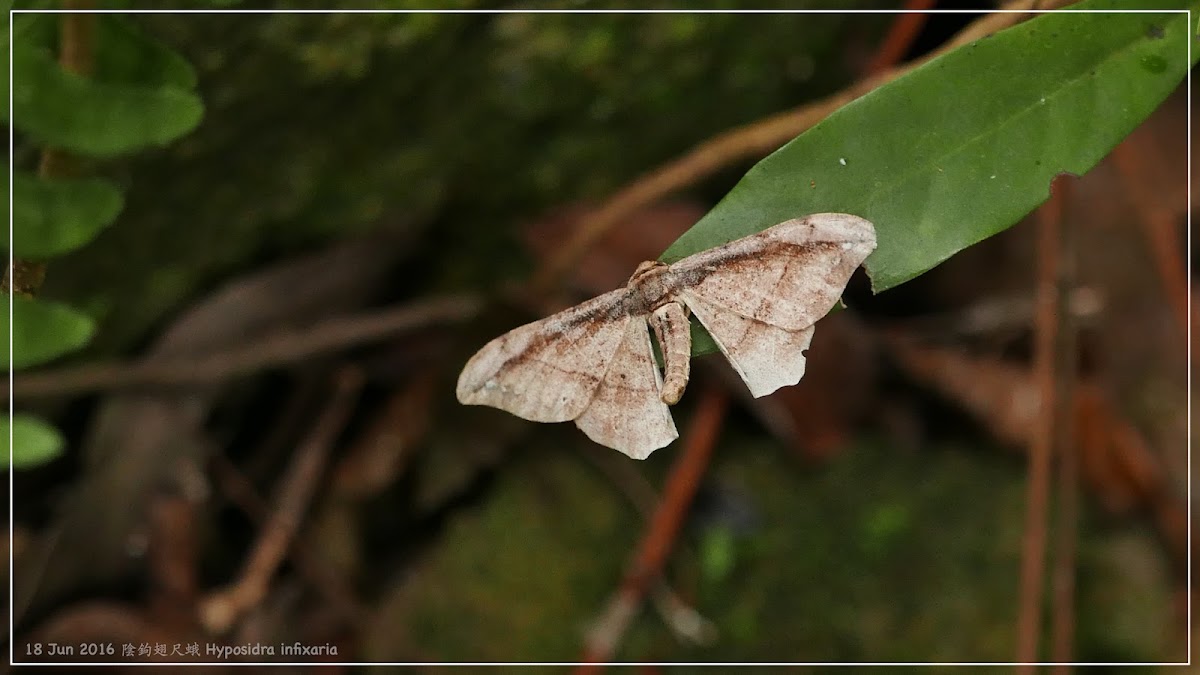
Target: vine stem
{"x": 76, "y": 55}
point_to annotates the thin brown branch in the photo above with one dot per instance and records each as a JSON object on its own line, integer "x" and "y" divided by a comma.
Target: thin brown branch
{"x": 656, "y": 544}
{"x": 78, "y": 37}
{"x": 1159, "y": 227}
{"x": 681, "y": 617}
{"x": 242, "y": 493}
{"x": 1049, "y": 377}
{"x": 746, "y": 142}
{"x": 900, "y": 36}
{"x": 1062, "y": 628}
{"x": 269, "y": 351}
{"x": 1115, "y": 461}
{"x": 222, "y": 609}
{"x": 676, "y": 613}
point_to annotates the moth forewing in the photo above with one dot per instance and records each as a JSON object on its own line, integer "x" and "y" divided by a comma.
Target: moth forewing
{"x": 789, "y": 275}
{"x": 674, "y": 335}
{"x": 548, "y": 370}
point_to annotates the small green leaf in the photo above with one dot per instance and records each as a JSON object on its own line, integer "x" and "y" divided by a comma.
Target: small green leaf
{"x": 32, "y": 442}
{"x": 967, "y": 144}
{"x": 42, "y": 331}
{"x": 51, "y": 217}
{"x": 88, "y": 117}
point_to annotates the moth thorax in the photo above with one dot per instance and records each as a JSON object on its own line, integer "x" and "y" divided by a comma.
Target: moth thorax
{"x": 649, "y": 282}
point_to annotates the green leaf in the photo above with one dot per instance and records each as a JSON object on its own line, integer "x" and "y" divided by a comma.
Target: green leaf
{"x": 32, "y": 443}
{"x": 125, "y": 54}
{"x": 51, "y": 217}
{"x": 42, "y": 331}
{"x": 88, "y": 117}
{"x": 967, "y": 144}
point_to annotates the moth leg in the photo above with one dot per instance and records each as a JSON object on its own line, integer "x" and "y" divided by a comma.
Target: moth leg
{"x": 674, "y": 334}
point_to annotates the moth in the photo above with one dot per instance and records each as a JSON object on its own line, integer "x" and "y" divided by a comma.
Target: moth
{"x": 758, "y": 297}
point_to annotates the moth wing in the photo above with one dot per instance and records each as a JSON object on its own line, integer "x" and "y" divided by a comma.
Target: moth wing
{"x": 548, "y": 370}
{"x": 766, "y": 357}
{"x": 789, "y": 275}
{"x": 627, "y": 413}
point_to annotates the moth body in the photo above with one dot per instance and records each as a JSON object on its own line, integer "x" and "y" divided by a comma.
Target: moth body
{"x": 758, "y": 297}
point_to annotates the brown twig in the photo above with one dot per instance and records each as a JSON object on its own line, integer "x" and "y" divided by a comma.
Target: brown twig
{"x": 1115, "y": 460}
{"x": 681, "y": 617}
{"x": 676, "y": 613}
{"x": 172, "y": 561}
{"x": 306, "y": 392}
{"x": 753, "y": 140}
{"x": 1159, "y": 227}
{"x": 76, "y": 33}
{"x": 266, "y": 352}
{"x": 1049, "y": 376}
{"x": 900, "y": 36}
{"x": 1062, "y": 628}
{"x": 378, "y": 455}
{"x": 220, "y": 610}
{"x": 242, "y": 493}
{"x": 656, "y": 544}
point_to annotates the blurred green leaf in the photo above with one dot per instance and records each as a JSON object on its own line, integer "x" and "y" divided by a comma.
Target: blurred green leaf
{"x": 42, "y": 331}
{"x": 884, "y": 527}
{"x": 51, "y": 217}
{"x": 88, "y": 117}
{"x": 717, "y": 553}
{"x": 964, "y": 146}
{"x": 32, "y": 443}
{"x": 125, "y": 54}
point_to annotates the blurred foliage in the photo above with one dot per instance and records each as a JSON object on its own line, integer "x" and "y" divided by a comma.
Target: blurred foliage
{"x": 126, "y": 95}
{"x": 35, "y": 442}
{"x": 877, "y": 557}
{"x": 57, "y": 216}
{"x": 478, "y": 597}
{"x": 320, "y": 126}
{"x": 138, "y": 94}
{"x": 43, "y": 331}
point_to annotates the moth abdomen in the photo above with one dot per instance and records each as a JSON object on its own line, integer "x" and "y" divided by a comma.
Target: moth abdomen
{"x": 674, "y": 335}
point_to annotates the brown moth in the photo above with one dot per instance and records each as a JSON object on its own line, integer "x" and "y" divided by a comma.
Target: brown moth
{"x": 758, "y": 297}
